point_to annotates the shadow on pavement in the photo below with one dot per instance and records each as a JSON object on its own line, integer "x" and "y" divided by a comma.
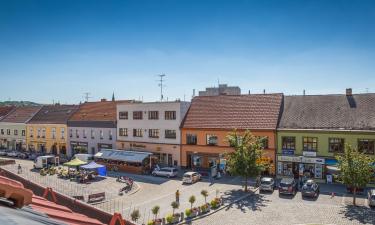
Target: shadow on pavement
{"x": 361, "y": 214}
{"x": 253, "y": 202}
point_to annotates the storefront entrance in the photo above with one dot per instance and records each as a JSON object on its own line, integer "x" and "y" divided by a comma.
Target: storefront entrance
{"x": 300, "y": 166}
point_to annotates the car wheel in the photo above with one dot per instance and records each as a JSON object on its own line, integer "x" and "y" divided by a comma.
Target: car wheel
{"x": 154, "y": 174}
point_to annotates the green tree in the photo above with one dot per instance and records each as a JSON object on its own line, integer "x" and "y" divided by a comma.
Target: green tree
{"x": 175, "y": 206}
{"x": 191, "y": 200}
{"x": 245, "y": 161}
{"x": 356, "y": 169}
{"x": 135, "y": 215}
{"x": 155, "y": 211}
{"x": 204, "y": 193}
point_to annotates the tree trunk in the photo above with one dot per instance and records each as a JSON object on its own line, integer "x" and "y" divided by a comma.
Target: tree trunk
{"x": 245, "y": 183}
{"x": 354, "y": 195}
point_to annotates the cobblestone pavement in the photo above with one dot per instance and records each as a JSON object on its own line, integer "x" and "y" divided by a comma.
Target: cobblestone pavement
{"x": 270, "y": 209}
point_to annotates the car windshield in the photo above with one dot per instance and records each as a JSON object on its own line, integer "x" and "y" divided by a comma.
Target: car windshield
{"x": 174, "y": 170}
{"x": 186, "y": 176}
{"x": 284, "y": 184}
{"x": 267, "y": 182}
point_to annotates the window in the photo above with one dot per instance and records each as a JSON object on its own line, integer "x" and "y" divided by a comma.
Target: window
{"x": 53, "y": 132}
{"x": 62, "y": 130}
{"x": 264, "y": 141}
{"x": 101, "y": 134}
{"x": 211, "y": 139}
{"x": 310, "y": 144}
{"x": 153, "y": 133}
{"x": 84, "y": 133}
{"x": 77, "y": 133}
{"x": 336, "y": 145}
{"x": 123, "y": 115}
{"x": 366, "y": 146}
{"x": 8, "y": 131}
{"x": 15, "y": 132}
{"x": 191, "y": 139}
{"x": 92, "y": 134}
{"x": 31, "y": 132}
{"x": 2, "y": 131}
{"x": 153, "y": 115}
{"x": 137, "y": 133}
{"x": 170, "y": 115}
{"x": 137, "y": 115}
{"x": 38, "y": 133}
{"x": 288, "y": 143}
{"x": 123, "y": 132}
{"x": 43, "y": 132}
{"x": 71, "y": 133}
{"x": 170, "y": 134}
{"x": 110, "y": 135}
{"x": 23, "y": 133}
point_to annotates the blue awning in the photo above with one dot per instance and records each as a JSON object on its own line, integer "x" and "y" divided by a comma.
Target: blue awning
{"x": 331, "y": 162}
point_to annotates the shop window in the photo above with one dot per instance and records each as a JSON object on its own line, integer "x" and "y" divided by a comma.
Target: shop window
{"x": 153, "y": 133}
{"x": 123, "y": 115}
{"x": 137, "y": 133}
{"x": 123, "y": 132}
{"x": 211, "y": 139}
{"x": 191, "y": 139}
{"x": 366, "y": 146}
{"x": 336, "y": 145}
{"x": 153, "y": 115}
{"x": 288, "y": 143}
{"x": 170, "y": 115}
{"x": 310, "y": 144}
{"x": 170, "y": 134}
{"x": 137, "y": 115}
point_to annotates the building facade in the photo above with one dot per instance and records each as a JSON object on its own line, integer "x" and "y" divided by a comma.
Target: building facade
{"x": 47, "y": 131}
{"x": 211, "y": 118}
{"x": 13, "y": 127}
{"x": 152, "y": 127}
{"x": 223, "y": 89}
{"x": 93, "y": 127}
{"x": 314, "y": 129}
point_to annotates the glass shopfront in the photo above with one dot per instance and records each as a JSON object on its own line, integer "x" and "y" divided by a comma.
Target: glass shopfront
{"x": 79, "y": 147}
{"x": 300, "y": 166}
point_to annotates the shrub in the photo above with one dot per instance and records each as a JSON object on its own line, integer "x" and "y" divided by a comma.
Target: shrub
{"x": 169, "y": 218}
{"x": 192, "y": 200}
{"x": 188, "y": 212}
{"x": 174, "y": 205}
{"x": 135, "y": 215}
{"x": 155, "y": 211}
{"x": 150, "y": 223}
{"x": 214, "y": 204}
{"x": 204, "y": 193}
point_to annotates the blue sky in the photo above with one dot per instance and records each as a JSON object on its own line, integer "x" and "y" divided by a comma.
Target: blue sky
{"x": 57, "y": 50}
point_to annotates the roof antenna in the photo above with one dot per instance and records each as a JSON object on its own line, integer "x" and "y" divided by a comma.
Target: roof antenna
{"x": 161, "y": 86}
{"x": 87, "y": 96}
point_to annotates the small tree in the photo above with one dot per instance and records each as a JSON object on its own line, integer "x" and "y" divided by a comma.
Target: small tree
{"x": 204, "y": 193}
{"x": 175, "y": 206}
{"x": 245, "y": 161}
{"x": 191, "y": 200}
{"x": 356, "y": 169}
{"x": 155, "y": 211}
{"x": 135, "y": 215}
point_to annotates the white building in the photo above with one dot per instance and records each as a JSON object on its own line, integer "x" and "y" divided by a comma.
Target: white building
{"x": 152, "y": 127}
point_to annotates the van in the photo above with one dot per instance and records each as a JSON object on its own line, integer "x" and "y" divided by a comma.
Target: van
{"x": 46, "y": 161}
{"x": 371, "y": 198}
{"x": 84, "y": 157}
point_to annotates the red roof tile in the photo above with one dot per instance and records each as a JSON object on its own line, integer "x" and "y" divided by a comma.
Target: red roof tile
{"x": 96, "y": 111}
{"x": 21, "y": 114}
{"x": 255, "y": 111}
{"x": 54, "y": 114}
{"x": 4, "y": 110}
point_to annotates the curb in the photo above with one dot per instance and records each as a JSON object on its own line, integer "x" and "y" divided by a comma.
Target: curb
{"x": 218, "y": 209}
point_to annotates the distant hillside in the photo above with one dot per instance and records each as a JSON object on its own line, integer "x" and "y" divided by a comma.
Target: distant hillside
{"x": 19, "y": 103}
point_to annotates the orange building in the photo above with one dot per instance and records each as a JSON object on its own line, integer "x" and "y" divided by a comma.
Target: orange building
{"x": 211, "y": 118}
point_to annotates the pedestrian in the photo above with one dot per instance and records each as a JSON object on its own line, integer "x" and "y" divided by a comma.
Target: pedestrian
{"x": 178, "y": 196}
{"x": 19, "y": 169}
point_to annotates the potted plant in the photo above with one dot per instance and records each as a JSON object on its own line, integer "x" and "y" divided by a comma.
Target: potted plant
{"x": 155, "y": 211}
{"x": 188, "y": 213}
{"x": 215, "y": 203}
{"x": 205, "y": 208}
{"x": 204, "y": 193}
{"x": 194, "y": 211}
{"x": 176, "y": 217}
{"x": 135, "y": 215}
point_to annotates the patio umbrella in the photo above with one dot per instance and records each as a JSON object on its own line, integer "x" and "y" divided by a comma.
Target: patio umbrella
{"x": 75, "y": 162}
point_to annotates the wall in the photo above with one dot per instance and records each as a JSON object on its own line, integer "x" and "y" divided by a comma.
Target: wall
{"x": 13, "y": 126}
{"x": 351, "y": 138}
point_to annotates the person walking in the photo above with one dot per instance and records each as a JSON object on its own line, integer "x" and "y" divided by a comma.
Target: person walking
{"x": 19, "y": 169}
{"x": 178, "y": 196}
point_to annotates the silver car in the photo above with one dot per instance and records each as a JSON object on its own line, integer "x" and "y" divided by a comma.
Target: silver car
{"x": 267, "y": 184}
{"x": 165, "y": 172}
{"x": 371, "y": 197}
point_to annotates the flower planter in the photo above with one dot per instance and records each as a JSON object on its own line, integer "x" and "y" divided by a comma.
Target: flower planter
{"x": 157, "y": 222}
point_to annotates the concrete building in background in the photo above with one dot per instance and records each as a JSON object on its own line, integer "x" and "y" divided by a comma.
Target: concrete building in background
{"x": 223, "y": 89}
{"x": 93, "y": 127}
{"x": 152, "y": 127}
{"x": 13, "y": 127}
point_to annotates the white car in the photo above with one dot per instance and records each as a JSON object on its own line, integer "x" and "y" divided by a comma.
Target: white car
{"x": 3, "y": 153}
{"x": 12, "y": 154}
{"x": 191, "y": 177}
{"x": 371, "y": 198}
{"x": 165, "y": 172}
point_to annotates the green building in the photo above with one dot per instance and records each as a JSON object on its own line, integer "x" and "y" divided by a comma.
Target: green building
{"x": 315, "y": 128}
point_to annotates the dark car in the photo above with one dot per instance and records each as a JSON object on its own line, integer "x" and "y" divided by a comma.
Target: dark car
{"x": 310, "y": 189}
{"x": 288, "y": 186}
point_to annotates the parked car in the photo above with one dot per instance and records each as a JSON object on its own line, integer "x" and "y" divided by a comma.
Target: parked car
{"x": 310, "y": 189}
{"x": 371, "y": 198}
{"x": 23, "y": 155}
{"x": 3, "y": 153}
{"x": 288, "y": 186}
{"x": 267, "y": 184}
{"x": 165, "y": 172}
{"x": 191, "y": 177}
{"x": 12, "y": 154}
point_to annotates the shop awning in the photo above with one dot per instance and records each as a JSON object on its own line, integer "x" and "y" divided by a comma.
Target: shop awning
{"x": 331, "y": 162}
{"x": 121, "y": 155}
{"x": 75, "y": 162}
{"x": 92, "y": 165}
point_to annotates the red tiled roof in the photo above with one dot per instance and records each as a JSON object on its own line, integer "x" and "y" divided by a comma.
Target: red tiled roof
{"x": 255, "y": 111}
{"x": 4, "y": 110}
{"x": 21, "y": 114}
{"x": 54, "y": 114}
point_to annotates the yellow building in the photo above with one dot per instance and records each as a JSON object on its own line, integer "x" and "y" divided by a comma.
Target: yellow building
{"x": 47, "y": 131}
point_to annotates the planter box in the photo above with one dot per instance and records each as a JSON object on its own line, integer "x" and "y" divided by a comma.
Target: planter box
{"x": 157, "y": 222}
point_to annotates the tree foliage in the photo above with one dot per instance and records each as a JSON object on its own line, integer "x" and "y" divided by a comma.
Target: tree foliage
{"x": 245, "y": 161}
{"x": 356, "y": 169}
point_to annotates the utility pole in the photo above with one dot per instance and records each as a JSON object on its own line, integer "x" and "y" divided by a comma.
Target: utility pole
{"x": 161, "y": 86}
{"x": 87, "y": 96}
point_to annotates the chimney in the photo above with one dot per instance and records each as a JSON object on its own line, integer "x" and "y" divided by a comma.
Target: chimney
{"x": 103, "y": 100}
{"x": 348, "y": 92}
{"x": 264, "y": 91}
{"x": 304, "y": 92}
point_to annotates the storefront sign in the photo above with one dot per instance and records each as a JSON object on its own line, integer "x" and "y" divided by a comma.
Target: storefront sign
{"x": 313, "y": 160}
{"x": 288, "y": 152}
{"x": 309, "y": 154}
{"x": 289, "y": 158}
{"x": 75, "y": 143}
{"x": 137, "y": 146}
{"x": 107, "y": 146}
